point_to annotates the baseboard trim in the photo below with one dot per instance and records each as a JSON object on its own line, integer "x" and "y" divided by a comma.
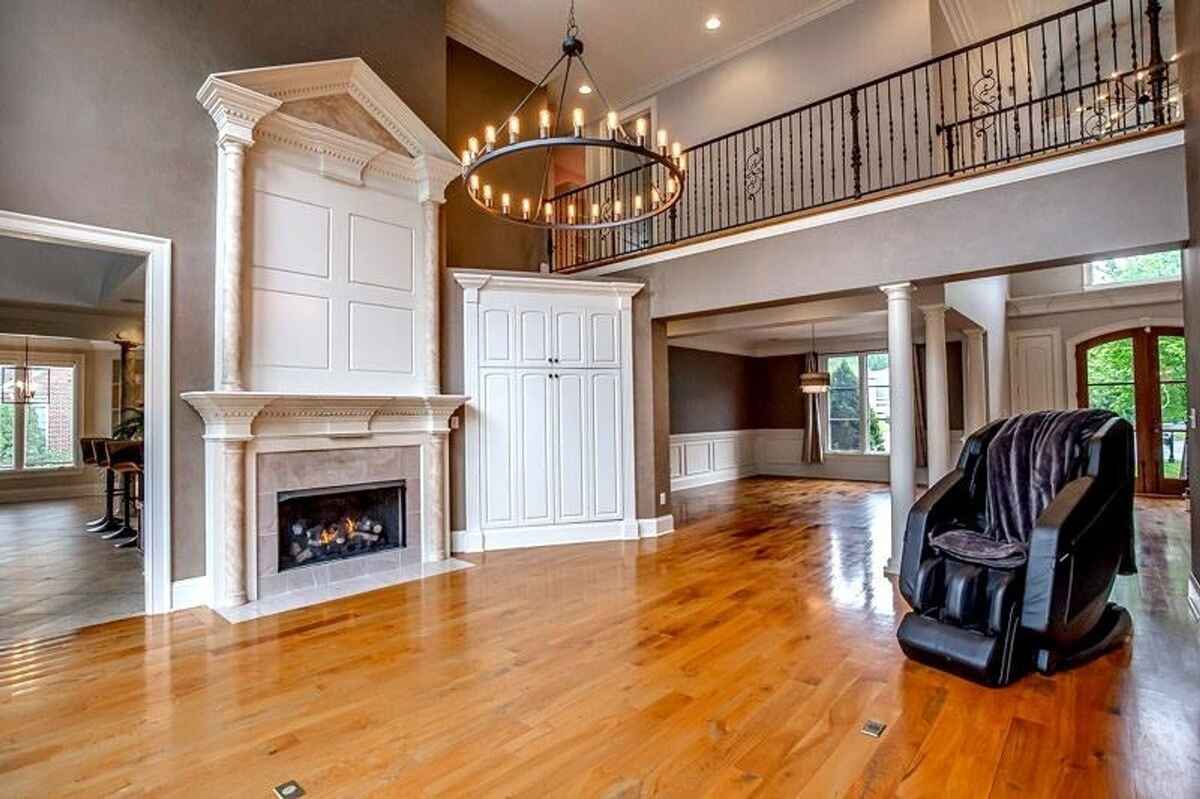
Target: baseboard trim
{"x": 1194, "y": 597}
{"x": 653, "y": 528}
{"x": 463, "y": 541}
{"x": 189, "y": 593}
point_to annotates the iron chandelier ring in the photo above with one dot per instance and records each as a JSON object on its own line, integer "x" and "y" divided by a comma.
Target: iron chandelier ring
{"x": 497, "y": 153}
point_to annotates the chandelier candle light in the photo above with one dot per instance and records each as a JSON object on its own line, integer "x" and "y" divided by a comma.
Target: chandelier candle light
{"x": 661, "y": 170}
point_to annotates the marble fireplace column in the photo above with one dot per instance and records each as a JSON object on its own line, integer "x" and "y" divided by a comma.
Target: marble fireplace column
{"x": 432, "y": 299}
{"x": 233, "y": 161}
{"x": 436, "y": 545}
{"x": 233, "y": 592}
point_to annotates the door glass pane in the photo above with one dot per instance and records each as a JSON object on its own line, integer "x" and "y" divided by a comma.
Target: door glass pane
{"x": 7, "y": 434}
{"x": 1118, "y": 399}
{"x": 50, "y": 423}
{"x": 1174, "y": 401}
{"x": 1111, "y": 362}
{"x": 1172, "y": 358}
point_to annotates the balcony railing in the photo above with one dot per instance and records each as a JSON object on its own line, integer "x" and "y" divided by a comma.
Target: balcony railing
{"x": 1091, "y": 74}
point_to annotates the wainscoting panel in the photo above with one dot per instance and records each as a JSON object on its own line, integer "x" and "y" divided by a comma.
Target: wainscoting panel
{"x": 703, "y": 458}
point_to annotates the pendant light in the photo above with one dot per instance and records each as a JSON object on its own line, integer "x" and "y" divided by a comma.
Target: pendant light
{"x": 814, "y": 382}
{"x": 20, "y": 383}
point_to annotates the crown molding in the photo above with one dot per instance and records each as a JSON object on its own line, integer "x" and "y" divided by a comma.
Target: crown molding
{"x": 959, "y": 20}
{"x": 473, "y": 281}
{"x": 461, "y": 28}
{"x": 784, "y": 25}
{"x": 234, "y": 109}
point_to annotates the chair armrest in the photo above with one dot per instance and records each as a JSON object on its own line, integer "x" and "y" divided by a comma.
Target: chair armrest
{"x": 938, "y": 504}
{"x": 1074, "y": 552}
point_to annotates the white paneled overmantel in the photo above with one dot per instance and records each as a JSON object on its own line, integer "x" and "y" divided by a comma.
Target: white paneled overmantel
{"x": 326, "y": 305}
{"x": 327, "y": 240}
{"x": 548, "y": 364}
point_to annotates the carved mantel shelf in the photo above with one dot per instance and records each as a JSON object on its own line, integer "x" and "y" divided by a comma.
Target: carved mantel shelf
{"x": 241, "y": 415}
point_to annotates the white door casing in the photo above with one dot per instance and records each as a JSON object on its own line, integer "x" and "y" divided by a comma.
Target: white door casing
{"x": 1035, "y": 370}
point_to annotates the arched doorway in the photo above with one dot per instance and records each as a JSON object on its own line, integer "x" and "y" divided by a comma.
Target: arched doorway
{"x": 1141, "y": 374}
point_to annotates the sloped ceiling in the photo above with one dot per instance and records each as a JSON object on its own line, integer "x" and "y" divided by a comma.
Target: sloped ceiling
{"x": 55, "y": 274}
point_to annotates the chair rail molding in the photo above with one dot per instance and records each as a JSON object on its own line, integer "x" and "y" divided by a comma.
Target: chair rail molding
{"x": 157, "y": 388}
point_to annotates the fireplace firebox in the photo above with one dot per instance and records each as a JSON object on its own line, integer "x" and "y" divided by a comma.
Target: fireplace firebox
{"x": 324, "y": 524}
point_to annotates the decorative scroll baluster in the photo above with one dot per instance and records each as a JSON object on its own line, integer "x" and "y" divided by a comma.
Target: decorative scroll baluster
{"x": 855, "y": 148}
{"x": 1158, "y": 67}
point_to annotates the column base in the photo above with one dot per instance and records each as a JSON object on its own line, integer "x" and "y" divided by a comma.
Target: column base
{"x": 891, "y": 568}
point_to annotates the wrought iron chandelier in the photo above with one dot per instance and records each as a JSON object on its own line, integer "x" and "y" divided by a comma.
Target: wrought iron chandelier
{"x": 19, "y": 383}
{"x": 662, "y": 191}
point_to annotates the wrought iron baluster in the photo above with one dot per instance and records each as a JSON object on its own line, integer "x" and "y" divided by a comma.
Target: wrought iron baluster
{"x": 928, "y": 122}
{"x": 879, "y": 132}
{"x": 1158, "y": 67}
{"x": 821, "y": 144}
{"x": 855, "y": 145}
{"x": 891, "y": 134}
{"x": 791, "y": 172}
{"x": 1012, "y": 80}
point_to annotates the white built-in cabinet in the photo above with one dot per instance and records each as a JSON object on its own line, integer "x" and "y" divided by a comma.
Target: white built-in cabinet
{"x": 549, "y": 423}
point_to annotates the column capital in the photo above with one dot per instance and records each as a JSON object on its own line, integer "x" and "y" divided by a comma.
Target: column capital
{"x": 234, "y": 109}
{"x": 934, "y": 310}
{"x": 898, "y": 290}
{"x": 973, "y": 332}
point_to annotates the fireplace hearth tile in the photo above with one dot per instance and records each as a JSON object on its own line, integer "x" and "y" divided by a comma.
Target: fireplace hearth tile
{"x": 293, "y": 600}
{"x": 268, "y": 555}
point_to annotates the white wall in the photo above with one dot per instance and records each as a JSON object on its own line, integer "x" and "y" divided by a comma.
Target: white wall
{"x": 985, "y": 300}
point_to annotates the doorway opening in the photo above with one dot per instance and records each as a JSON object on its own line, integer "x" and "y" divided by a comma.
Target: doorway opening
{"x": 1141, "y": 374}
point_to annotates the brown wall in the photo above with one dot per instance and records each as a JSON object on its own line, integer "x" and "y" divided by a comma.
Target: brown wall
{"x": 710, "y": 391}
{"x": 101, "y": 125}
{"x": 1187, "y": 30}
{"x": 480, "y": 92}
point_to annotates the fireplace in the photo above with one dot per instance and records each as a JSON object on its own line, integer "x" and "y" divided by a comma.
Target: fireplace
{"x": 327, "y": 524}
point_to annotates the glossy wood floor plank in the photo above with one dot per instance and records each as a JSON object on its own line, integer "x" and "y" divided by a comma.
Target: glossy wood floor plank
{"x": 737, "y": 657}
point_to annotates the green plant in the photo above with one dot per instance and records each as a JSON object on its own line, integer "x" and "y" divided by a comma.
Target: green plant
{"x": 132, "y": 424}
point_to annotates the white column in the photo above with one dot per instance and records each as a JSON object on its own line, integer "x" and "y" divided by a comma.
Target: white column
{"x": 975, "y": 379}
{"x": 902, "y": 463}
{"x": 937, "y": 400}
{"x": 432, "y": 300}
{"x": 233, "y": 161}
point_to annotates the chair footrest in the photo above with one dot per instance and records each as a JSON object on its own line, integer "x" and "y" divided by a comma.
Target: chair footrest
{"x": 974, "y": 655}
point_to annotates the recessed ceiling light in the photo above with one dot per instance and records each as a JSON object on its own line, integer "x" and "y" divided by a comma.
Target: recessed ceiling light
{"x": 712, "y": 23}
{"x": 585, "y": 88}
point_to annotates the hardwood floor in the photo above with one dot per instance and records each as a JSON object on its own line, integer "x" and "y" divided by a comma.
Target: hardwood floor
{"x": 54, "y": 577}
{"x": 736, "y": 657}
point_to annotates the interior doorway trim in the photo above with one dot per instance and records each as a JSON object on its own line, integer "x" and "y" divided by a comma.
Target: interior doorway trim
{"x": 157, "y": 387}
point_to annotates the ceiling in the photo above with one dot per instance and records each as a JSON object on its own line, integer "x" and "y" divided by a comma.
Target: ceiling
{"x": 625, "y": 38}
{"x": 780, "y": 339}
{"x": 36, "y": 272}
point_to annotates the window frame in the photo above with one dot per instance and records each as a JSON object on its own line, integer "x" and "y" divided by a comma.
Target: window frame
{"x": 863, "y": 407}
{"x": 1089, "y": 285}
{"x": 74, "y": 360}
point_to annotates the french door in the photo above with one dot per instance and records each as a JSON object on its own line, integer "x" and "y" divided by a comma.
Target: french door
{"x": 1140, "y": 374}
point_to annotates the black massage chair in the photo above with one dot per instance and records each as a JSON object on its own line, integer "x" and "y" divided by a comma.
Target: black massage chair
{"x": 1009, "y": 560}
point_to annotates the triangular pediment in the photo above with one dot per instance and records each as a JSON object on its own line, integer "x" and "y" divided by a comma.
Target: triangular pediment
{"x": 346, "y": 95}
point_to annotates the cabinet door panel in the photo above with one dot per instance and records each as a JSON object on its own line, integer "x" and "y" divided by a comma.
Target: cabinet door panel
{"x": 496, "y": 330}
{"x": 568, "y": 337}
{"x": 497, "y": 410}
{"x": 603, "y": 339}
{"x": 604, "y": 406}
{"x": 534, "y": 486}
{"x": 534, "y": 324}
{"x": 571, "y": 446}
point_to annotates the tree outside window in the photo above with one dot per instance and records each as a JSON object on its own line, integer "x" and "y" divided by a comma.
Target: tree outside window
{"x": 1134, "y": 269}
{"x": 859, "y": 403}
{"x": 43, "y": 431}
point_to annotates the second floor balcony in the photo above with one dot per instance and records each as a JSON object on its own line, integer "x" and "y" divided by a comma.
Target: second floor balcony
{"x": 1100, "y": 72}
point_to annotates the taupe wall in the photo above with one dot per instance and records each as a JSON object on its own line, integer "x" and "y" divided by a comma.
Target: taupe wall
{"x": 714, "y": 391}
{"x": 711, "y": 391}
{"x": 101, "y": 125}
{"x": 1187, "y": 26}
{"x": 852, "y": 45}
{"x": 479, "y": 92}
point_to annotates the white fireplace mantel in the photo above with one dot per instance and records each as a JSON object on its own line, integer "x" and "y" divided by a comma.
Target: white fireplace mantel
{"x": 240, "y": 425}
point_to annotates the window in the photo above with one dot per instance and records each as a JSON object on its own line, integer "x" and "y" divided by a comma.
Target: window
{"x": 1150, "y": 268}
{"x": 859, "y": 403}
{"x": 42, "y": 434}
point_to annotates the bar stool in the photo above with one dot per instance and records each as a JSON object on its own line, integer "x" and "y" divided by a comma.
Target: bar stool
{"x": 125, "y": 458}
{"x": 94, "y": 455}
